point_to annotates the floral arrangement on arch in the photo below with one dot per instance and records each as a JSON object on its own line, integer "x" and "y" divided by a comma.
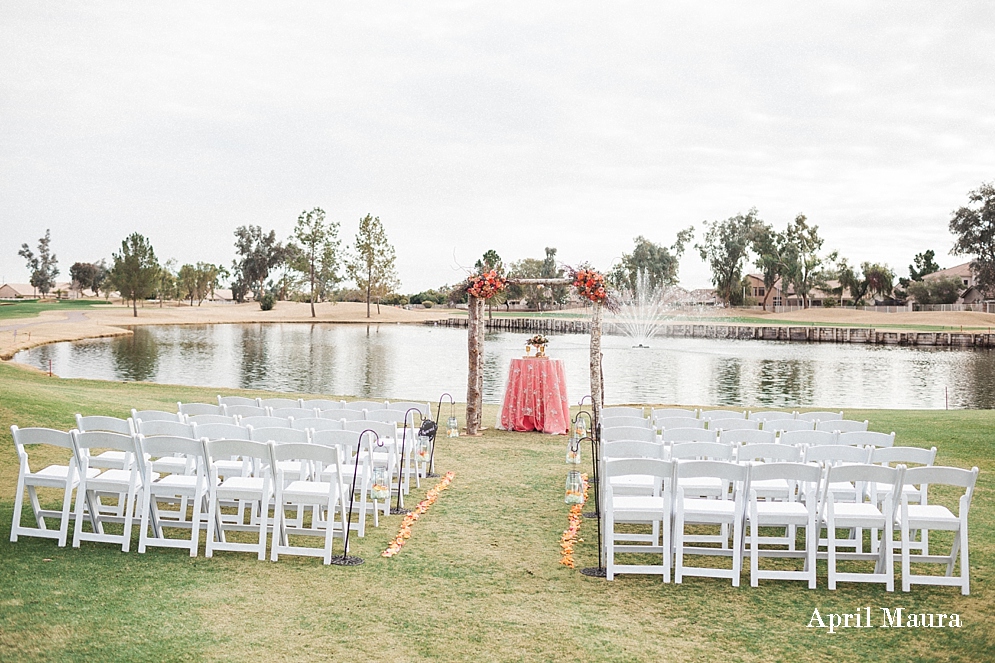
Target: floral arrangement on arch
{"x": 486, "y": 284}
{"x": 590, "y": 284}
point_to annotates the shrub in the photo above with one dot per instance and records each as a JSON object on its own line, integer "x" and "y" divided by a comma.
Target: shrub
{"x": 428, "y": 303}
{"x": 268, "y": 301}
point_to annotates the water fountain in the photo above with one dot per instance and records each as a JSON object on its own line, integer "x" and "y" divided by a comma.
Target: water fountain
{"x": 645, "y": 311}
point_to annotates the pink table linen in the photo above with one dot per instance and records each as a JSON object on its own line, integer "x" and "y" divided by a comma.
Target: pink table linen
{"x": 536, "y": 397}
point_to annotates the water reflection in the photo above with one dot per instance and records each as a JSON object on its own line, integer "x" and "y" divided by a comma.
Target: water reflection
{"x": 420, "y": 362}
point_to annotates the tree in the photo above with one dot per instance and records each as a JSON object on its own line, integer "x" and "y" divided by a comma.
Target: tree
{"x": 186, "y": 282}
{"x": 974, "y": 228}
{"x": 44, "y": 267}
{"x": 371, "y": 264}
{"x": 725, "y": 247}
{"x": 166, "y": 281}
{"x": 940, "y": 290}
{"x": 658, "y": 263}
{"x": 531, "y": 294}
{"x": 83, "y": 275}
{"x": 802, "y": 246}
{"x": 135, "y": 269}
{"x": 258, "y": 254}
{"x": 769, "y": 247}
{"x": 872, "y": 279}
{"x": 317, "y": 256}
{"x": 101, "y": 280}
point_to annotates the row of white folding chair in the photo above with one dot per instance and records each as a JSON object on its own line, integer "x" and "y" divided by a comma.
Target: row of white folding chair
{"x": 741, "y": 436}
{"x": 799, "y": 510}
{"x": 323, "y": 404}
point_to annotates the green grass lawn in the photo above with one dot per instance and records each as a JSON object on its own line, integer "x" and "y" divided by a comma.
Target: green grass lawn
{"x": 478, "y": 580}
{"x": 12, "y": 310}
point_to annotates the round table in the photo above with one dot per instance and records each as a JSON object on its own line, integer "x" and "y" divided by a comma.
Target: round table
{"x": 535, "y": 398}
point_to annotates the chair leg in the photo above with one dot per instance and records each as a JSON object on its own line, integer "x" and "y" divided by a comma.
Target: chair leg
{"x": 67, "y": 501}
{"x": 679, "y": 547}
{"x": 965, "y": 565}
{"x": 906, "y": 558}
{"x": 263, "y": 518}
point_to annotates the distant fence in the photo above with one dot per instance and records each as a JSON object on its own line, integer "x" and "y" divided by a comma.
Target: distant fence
{"x": 980, "y": 307}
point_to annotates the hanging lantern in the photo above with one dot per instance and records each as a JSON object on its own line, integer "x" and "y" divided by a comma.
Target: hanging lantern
{"x": 580, "y": 428}
{"x": 575, "y": 488}
{"x": 423, "y": 447}
{"x": 380, "y": 490}
{"x": 573, "y": 450}
{"x": 452, "y": 427}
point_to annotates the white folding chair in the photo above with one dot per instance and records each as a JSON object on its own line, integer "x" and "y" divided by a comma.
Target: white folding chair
{"x": 279, "y": 402}
{"x": 266, "y": 422}
{"x": 246, "y": 411}
{"x": 317, "y": 423}
{"x": 736, "y": 436}
{"x": 809, "y": 438}
{"x": 709, "y": 415}
{"x": 343, "y": 415}
{"x": 298, "y": 489}
{"x": 253, "y": 485}
{"x": 60, "y": 477}
{"x": 424, "y": 408}
{"x": 702, "y": 511}
{"x": 201, "y": 419}
{"x": 768, "y": 415}
{"x": 127, "y": 484}
{"x": 860, "y": 514}
{"x": 193, "y": 409}
{"x": 365, "y": 405}
{"x": 733, "y": 424}
{"x": 293, "y": 412}
{"x": 867, "y": 439}
{"x": 927, "y": 517}
{"x": 663, "y": 423}
{"x": 784, "y": 425}
{"x": 770, "y": 489}
{"x": 386, "y": 457}
{"x": 653, "y": 509}
{"x": 154, "y": 415}
{"x": 321, "y": 404}
{"x": 789, "y": 513}
{"x": 178, "y": 488}
{"x": 678, "y": 435}
{"x": 628, "y": 433}
{"x": 106, "y": 459}
{"x": 237, "y": 400}
{"x": 842, "y": 426}
{"x": 819, "y": 416}
{"x": 621, "y": 411}
{"x": 620, "y": 421}
{"x": 663, "y": 412}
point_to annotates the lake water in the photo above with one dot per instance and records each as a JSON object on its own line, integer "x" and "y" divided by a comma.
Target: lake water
{"x": 420, "y": 362}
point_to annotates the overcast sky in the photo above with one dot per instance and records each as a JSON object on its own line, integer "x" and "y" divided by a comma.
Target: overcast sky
{"x": 471, "y": 126}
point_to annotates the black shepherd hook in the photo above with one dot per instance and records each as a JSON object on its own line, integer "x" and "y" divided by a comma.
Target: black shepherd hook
{"x": 399, "y": 510}
{"x": 345, "y": 559}
{"x": 435, "y": 432}
{"x": 599, "y": 570}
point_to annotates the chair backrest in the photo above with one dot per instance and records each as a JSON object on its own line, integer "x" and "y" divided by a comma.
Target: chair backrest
{"x": 733, "y": 424}
{"x": 842, "y": 425}
{"x": 768, "y": 452}
{"x": 265, "y": 422}
{"x": 780, "y": 425}
{"x": 863, "y": 474}
{"x": 810, "y": 437}
{"x": 155, "y": 415}
{"x": 663, "y": 423}
{"x": 664, "y": 412}
{"x": 221, "y": 431}
{"x": 404, "y": 406}
{"x": 771, "y": 414}
{"x": 199, "y": 408}
{"x": 721, "y": 469}
{"x": 656, "y": 467}
{"x": 621, "y": 411}
{"x": 337, "y": 438}
{"x": 709, "y": 415}
{"x": 168, "y": 445}
{"x": 867, "y": 439}
{"x": 390, "y": 416}
{"x": 617, "y": 422}
{"x": 672, "y": 435}
{"x": 109, "y": 424}
{"x": 295, "y": 412}
{"x": 747, "y": 436}
{"x": 903, "y": 455}
{"x": 158, "y": 427}
{"x": 702, "y": 451}
{"x": 315, "y": 453}
{"x": 246, "y": 410}
{"x": 365, "y": 405}
{"x": 321, "y": 404}
{"x": 346, "y": 414}
{"x": 833, "y": 454}
{"x": 210, "y": 419}
{"x": 819, "y": 416}
{"x": 789, "y": 471}
{"x": 632, "y": 449}
{"x": 944, "y": 476}
{"x": 316, "y": 423}
{"x": 99, "y": 439}
{"x": 245, "y": 449}
{"x": 280, "y": 402}
{"x": 237, "y": 400}
{"x": 628, "y": 433}
{"x": 379, "y": 427}
{"x": 23, "y": 436}
{"x": 280, "y": 435}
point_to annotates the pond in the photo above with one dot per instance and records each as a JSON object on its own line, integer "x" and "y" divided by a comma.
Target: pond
{"x": 421, "y": 361}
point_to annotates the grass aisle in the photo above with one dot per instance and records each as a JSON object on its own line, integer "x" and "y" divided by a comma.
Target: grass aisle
{"x": 478, "y": 580}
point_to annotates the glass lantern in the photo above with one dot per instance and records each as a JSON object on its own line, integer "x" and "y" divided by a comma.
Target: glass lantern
{"x": 452, "y": 427}
{"x": 580, "y": 428}
{"x": 380, "y": 490}
{"x": 573, "y": 450}
{"x": 423, "y": 448}
{"x": 574, "y": 488}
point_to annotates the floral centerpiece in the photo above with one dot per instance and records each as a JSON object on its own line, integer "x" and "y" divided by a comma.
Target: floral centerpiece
{"x": 539, "y": 342}
{"x": 590, "y": 285}
{"x": 486, "y": 284}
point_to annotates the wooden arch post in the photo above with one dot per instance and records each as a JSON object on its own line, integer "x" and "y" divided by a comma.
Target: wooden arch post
{"x": 475, "y": 356}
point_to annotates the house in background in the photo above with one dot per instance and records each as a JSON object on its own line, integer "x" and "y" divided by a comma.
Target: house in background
{"x": 17, "y": 291}
{"x": 972, "y": 294}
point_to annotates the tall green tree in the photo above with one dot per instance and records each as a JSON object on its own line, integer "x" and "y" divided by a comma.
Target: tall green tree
{"x": 83, "y": 275}
{"x": 802, "y": 269}
{"x": 768, "y": 246}
{"x": 660, "y": 264}
{"x": 44, "y": 267}
{"x": 974, "y": 228}
{"x": 371, "y": 263}
{"x": 167, "y": 283}
{"x": 258, "y": 254}
{"x": 317, "y": 257}
{"x": 135, "y": 269}
{"x": 725, "y": 247}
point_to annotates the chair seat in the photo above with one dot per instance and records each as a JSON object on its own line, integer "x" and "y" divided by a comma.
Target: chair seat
{"x": 857, "y": 512}
{"x": 771, "y": 488}
{"x": 639, "y": 503}
{"x": 115, "y": 478}
{"x": 170, "y": 464}
{"x": 696, "y": 486}
{"x": 56, "y": 474}
{"x": 175, "y": 482}
{"x": 714, "y": 508}
{"x": 300, "y": 490}
{"x": 781, "y": 509}
{"x": 930, "y": 516}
